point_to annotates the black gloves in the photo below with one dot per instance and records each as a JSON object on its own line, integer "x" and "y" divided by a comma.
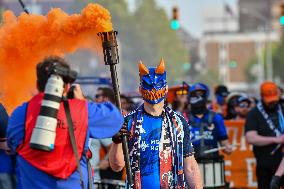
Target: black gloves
{"x": 117, "y": 139}
{"x": 275, "y": 182}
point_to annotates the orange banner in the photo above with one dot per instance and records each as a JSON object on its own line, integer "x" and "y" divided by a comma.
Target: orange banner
{"x": 240, "y": 165}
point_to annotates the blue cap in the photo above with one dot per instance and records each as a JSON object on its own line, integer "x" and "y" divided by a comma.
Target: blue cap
{"x": 243, "y": 98}
{"x": 200, "y": 87}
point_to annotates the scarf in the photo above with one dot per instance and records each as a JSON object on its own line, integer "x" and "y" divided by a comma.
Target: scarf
{"x": 270, "y": 122}
{"x": 170, "y": 149}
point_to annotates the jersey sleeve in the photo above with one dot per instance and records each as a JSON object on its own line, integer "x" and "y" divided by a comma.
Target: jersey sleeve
{"x": 188, "y": 149}
{"x": 16, "y": 127}
{"x": 251, "y": 121}
{"x": 221, "y": 129}
{"x": 104, "y": 120}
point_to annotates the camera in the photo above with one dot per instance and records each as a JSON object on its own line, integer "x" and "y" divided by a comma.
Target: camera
{"x": 44, "y": 133}
{"x": 68, "y": 76}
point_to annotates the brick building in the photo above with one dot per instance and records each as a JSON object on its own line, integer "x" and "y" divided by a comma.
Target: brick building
{"x": 228, "y": 54}
{"x": 228, "y": 50}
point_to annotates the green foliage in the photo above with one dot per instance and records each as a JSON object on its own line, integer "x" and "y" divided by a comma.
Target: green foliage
{"x": 210, "y": 78}
{"x": 155, "y": 39}
{"x": 278, "y": 60}
{"x": 145, "y": 35}
{"x": 250, "y": 76}
{"x": 251, "y": 71}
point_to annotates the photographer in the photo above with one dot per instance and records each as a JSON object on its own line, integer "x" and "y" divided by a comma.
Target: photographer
{"x": 57, "y": 168}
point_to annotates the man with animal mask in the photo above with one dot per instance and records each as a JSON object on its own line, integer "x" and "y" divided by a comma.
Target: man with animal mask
{"x": 58, "y": 167}
{"x": 161, "y": 154}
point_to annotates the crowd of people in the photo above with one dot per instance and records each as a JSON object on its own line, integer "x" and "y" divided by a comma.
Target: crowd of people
{"x": 166, "y": 141}
{"x": 263, "y": 124}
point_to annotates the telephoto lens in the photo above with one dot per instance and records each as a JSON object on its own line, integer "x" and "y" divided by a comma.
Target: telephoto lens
{"x": 44, "y": 133}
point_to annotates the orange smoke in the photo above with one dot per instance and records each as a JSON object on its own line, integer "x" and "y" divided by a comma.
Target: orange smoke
{"x": 27, "y": 39}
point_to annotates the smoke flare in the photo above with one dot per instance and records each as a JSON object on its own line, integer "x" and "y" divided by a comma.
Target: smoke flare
{"x": 27, "y": 39}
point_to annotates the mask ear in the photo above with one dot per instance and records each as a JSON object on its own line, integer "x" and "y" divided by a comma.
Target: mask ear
{"x": 143, "y": 70}
{"x": 161, "y": 67}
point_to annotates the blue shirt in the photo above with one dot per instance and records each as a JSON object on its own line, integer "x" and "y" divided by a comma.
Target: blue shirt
{"x": 149, "y": 148}
{"x": 149, "y": 153}
{"x": 104, "y": 120}
{"x": 6, "y": 161}
{"x": 215, "y": 132}
{"x": 6, "y": 165}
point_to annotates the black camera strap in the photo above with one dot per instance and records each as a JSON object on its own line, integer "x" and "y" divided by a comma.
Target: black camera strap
{"x": 90, "y": 177}
{"x": 72, "y": 139}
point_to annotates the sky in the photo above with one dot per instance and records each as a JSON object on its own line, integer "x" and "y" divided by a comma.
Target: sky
{"x": 191, "y": 11}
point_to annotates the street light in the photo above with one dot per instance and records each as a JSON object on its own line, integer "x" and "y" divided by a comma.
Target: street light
{"x": 281, "y": 19}
{"x": 175, "y": 19}
{"x": 267, "y": 30}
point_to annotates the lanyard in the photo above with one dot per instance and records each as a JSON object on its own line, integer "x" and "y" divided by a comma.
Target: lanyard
{"x": 270, "y": 122}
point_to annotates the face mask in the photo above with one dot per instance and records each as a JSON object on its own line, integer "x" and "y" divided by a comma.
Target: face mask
{"x": 220, "y": 99}
{"x": 271, "y": 106}
{"x": 153, "y": 83}
{"x": 198, "y": 105}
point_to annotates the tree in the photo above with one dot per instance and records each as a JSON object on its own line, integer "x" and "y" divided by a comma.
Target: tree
{"x": 210, "y": 78}
{"x": 152, "y": 39}
{"x": 251, "y": 69}
{"x": 278, "y": 60}
{"x": 145, "y": 35}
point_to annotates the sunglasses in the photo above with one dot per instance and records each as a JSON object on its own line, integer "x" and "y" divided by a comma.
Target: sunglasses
{"x": 244, "y": 105}
{"x": 181, "y": 92}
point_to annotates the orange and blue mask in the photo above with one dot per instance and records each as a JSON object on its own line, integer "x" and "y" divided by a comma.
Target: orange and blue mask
{"x": 153, "y": 82}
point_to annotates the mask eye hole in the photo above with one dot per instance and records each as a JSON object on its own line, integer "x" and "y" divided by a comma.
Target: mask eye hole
{"x": 160, "y": 84}
{"x": 198, "y": 93}
{"x": 146, "y": 85}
